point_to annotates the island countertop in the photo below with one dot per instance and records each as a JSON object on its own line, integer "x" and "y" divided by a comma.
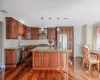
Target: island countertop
{"x": 47, "y": 49}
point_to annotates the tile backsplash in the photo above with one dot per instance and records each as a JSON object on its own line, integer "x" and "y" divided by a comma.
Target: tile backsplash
{"x": 14, "y": 43}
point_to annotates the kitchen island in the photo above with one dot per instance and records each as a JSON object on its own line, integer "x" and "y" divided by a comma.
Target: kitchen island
{"x": 50, "y": 59}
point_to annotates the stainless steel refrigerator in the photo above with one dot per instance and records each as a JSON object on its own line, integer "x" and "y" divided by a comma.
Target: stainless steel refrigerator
{"x": 62, "y": 41}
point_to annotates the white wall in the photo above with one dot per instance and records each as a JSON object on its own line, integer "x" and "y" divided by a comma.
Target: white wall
{"x": 87, "y": 35}
{"x": 0, "y": 43}
{"x": 3, "y": 25}
{"x": 77, "y": 42}
{"x": 84, "y": 33}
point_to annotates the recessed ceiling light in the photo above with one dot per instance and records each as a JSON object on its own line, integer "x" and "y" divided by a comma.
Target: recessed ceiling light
{"x": 50, "y": 18}
{"x": 66, "y": 18}
{"x": 58, "y": 18}
{"x": 42, "y": 18}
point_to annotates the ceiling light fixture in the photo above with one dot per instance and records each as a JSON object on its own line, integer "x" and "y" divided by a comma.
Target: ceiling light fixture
{"x": 58, "y": 18}
{"x": 58, "y": 29}
{"x": 50, "y": 18}
{"x": 42, "y": 29}
{"x": 42, "y": 18}
{"x": 66, "y": 18}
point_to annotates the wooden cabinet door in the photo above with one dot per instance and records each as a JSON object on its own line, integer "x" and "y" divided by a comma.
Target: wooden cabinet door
{"x": 20, "y": 29}
{"x": 63, "y": 30}
{"x": 46, "y": 60}
{"x": 37, "y": 59}
{"x": 54, "y": 59}
{"x": 70, "y": 38}
{"x": 13, "y": 31}
{"x": 11, "y": 28}
{"x": 24, "y": 35}
{"x": 51, "y": 33}
{"x": 35, "y": 33}
{"x": 62, "y": 60}
{"x": 8, "y": 29}
{"x": 10, "y": 57}
{"x": 29, "y": 33}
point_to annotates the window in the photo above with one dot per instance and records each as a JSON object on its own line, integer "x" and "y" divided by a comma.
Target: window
{"x": 98, "y": 43}
{"x": 97, "y": 37}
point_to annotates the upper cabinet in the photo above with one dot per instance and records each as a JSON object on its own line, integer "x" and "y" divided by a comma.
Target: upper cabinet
{"x": 34, "y": 33}
{"x": 29, "y": 33}
{"x": 51, "y": 32}
{"x": 11, "y": 28}
{"x": 24, "y": 35}
{"x": 15, "y": 29}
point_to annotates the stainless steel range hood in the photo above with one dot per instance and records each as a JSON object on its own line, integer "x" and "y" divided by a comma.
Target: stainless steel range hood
{"x": 43, "y": 34}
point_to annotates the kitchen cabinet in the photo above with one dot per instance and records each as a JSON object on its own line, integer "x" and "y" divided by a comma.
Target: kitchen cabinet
{"x": 49, "y": 59}
{"x": 37, "y": 59}
{"x": 51, "y": 32}
{"x": 46, "y": 59}
{"x": 54, "y": 59}
{"x": 15, "y": 29}
{"x": 34, "y": 33}
{"x": 20, "y": 29}
{"x": 69, "y": 31}
{"x": 24, "y": 35}
{"x": 11, "y": 28}
{"x": 63, "y": 59}
{"x": 70, "y": 40}
{"x": 29, "y": 33}
{"x": 10, "y": 57}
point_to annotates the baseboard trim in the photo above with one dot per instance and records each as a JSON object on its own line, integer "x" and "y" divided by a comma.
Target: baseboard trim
{"x": 2, "y": 66}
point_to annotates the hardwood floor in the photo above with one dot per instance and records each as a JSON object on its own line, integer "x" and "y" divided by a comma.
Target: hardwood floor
{"x": 73, "y": 72}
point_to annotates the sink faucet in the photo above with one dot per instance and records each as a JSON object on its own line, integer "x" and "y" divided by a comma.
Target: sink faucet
{"x": 19, "y": 40}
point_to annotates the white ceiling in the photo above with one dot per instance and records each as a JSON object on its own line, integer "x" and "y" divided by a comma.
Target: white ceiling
{"x": 79, "y": 12}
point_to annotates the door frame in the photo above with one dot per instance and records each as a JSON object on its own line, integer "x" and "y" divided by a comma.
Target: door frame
{"x": 2, "y": 65}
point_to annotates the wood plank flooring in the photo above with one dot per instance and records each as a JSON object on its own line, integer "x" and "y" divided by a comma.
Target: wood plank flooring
{"x": 73, "y": 72}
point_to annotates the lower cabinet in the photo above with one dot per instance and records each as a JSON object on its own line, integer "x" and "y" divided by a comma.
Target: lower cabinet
{"x": 54, "y": 59}
{"x": 47, "y": 60}
{"x": 10, "y": 57}
{"x": 37, "y": 60}
{"x": 62, "y": 60}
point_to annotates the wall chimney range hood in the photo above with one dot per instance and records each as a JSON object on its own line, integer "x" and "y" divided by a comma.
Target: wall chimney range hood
{"x": 43, "y": 33}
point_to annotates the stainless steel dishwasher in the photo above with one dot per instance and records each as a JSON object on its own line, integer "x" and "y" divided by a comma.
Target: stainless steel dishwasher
{"x": 19, "y": 54}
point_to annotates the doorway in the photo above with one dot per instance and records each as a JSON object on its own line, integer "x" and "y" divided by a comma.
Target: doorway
{"x": 1, "y": 45}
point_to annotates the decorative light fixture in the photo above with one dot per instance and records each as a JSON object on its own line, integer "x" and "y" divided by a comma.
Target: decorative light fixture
{"x": 58, "y": 29}
{"x": 42, "y": 29}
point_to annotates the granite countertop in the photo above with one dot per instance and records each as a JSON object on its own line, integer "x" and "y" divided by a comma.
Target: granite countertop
{"x": 47, "y": 49}
{"x": 17, "y": 47}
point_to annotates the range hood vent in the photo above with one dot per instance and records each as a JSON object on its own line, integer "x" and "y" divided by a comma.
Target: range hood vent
{"x": 43, "y": 34}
